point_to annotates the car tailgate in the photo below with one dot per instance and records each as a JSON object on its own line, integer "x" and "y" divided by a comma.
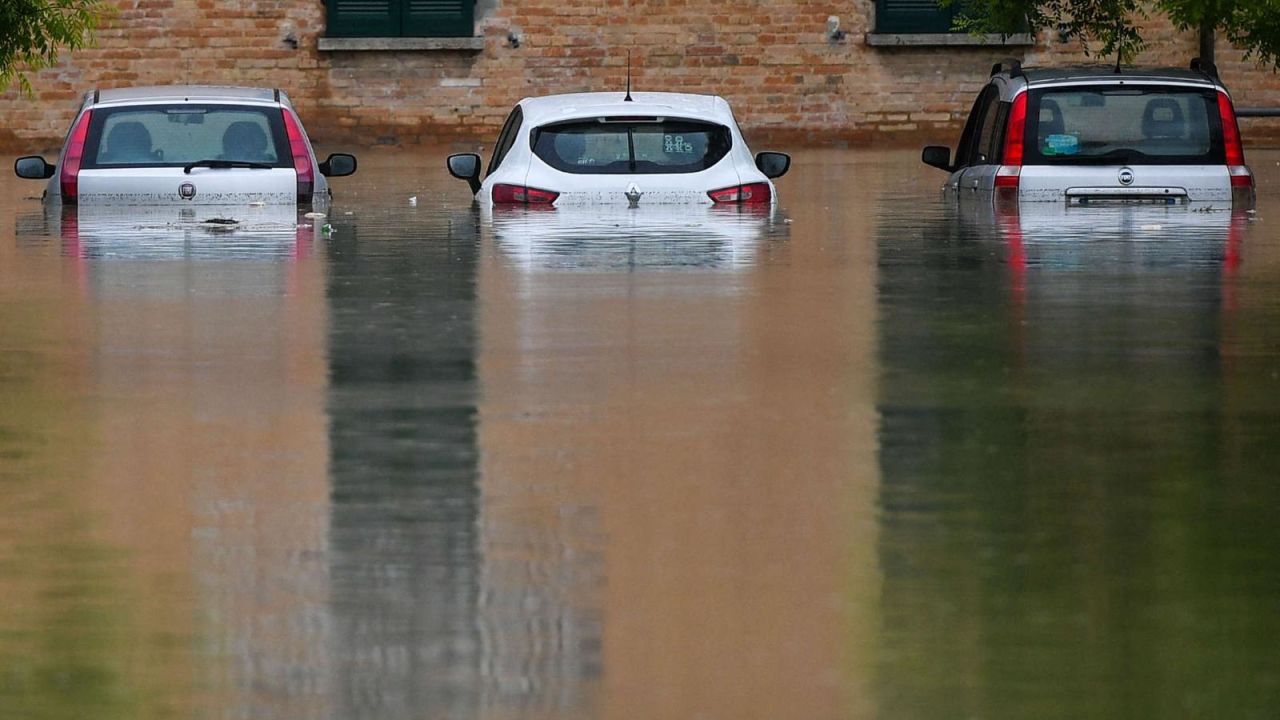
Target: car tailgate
{"x": 635, "y": 189}
{"x": 202, "y": 186}
{"x": 1178, "y": 183}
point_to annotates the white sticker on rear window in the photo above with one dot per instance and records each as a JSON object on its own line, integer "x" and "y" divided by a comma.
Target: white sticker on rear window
{"x": 675, "y": 144}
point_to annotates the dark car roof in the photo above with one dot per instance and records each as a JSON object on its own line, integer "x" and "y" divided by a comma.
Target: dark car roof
{"x": 1036, "y": 76}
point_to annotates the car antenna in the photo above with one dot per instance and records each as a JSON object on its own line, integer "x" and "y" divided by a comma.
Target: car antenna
{"x": 628, "y": 97}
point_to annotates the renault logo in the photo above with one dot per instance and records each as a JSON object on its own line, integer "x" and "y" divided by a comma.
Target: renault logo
{"x": 187, "y": 191}
{"x": 1126, "y": 176}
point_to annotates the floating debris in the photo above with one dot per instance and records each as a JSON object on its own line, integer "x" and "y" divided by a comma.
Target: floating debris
{"x": 1152, "y": 227}
{"x": 220, "y": 224}
{"x": 413, "y": 201}
{"x": 314, "y": 215}
{"x": 258, "y": 203}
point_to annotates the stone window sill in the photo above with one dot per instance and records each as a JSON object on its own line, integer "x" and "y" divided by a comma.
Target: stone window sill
{"x": 327, "y": 44}
{"x": 958, "y": 39}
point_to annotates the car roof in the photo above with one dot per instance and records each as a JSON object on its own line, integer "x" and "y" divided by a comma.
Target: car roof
{"x": 1047, "y": 75}
{"x": 184, "y": 93}
{"x": 550, "y": 108}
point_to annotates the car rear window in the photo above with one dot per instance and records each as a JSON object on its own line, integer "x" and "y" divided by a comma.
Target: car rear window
{"x": 607, "y": 146}
{"x": 1108, "y": 124}
{"x": 175, "y": 135}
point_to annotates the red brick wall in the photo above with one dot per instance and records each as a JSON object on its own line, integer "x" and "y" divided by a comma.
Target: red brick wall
{"x": 773, "y": 61}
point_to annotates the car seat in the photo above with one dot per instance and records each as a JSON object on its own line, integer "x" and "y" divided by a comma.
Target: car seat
{"x": 244, "y": 140}
{"x": 128, "y": 142}
{"x": 570, "y": 147}
{"x": 1051, "y": 121}
{"x": 1162, "y": 120}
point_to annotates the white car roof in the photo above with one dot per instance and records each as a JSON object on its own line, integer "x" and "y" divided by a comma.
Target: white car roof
{"x": 182, "y": 93}
{"x": 551, "y": 108}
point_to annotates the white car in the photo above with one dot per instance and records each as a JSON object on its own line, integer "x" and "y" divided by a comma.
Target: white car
{"x": 1095, "y": 135}
{"x": 606, "y": 148}
{"x": 186, "y": 146}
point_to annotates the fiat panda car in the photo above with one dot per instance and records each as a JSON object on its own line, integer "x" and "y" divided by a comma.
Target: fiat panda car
{"x": 629, "y": 151}
{"x": 1092, "y": 135}
{"x": 188, "y": 146}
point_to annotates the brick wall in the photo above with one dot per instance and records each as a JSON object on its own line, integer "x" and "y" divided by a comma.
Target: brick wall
{"x": 787, "y": 81}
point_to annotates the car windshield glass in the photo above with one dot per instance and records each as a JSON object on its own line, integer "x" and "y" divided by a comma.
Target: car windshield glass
{"x": 1123, "y": 124}
{"x": 632, "y": 145}
{"x": 175, "y": 135}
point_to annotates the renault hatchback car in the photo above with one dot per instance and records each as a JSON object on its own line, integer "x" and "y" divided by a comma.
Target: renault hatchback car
{"x": 1092, "y": 134}
{"x": 186, "y": 145}
{"x": 606, "y": 148}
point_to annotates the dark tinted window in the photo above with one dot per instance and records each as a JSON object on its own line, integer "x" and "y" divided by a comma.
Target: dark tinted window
{"x": 1112, "y": 124}
{"x": 980, "y": 130}
{"x": 990, "y": 135}
{"x": 631, "y": 146}
{"x": 506, "y": 139}
{"x": 179, "y": 134}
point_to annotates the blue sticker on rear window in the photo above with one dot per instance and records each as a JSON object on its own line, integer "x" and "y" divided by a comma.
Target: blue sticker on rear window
{"x": 1060, "y": 145}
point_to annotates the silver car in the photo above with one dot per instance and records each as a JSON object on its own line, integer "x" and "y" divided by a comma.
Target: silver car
{"x": 186, "y": 145}
{"x": 1093, "y": 135}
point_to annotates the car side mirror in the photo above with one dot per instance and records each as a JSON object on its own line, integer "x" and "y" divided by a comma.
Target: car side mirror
{"x": 466, "y": 166}
{"x": 773, "y": 164}
{"x": 938, "y": 156}
{"x": 33, "y": 167}
{"x": 338, "y": 165}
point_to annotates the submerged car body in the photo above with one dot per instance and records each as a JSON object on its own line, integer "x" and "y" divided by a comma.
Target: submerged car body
{"x": 1092, "y": 134}
{"x": 188, "y": 146}
{"x": 648, "y": 237}
{"x": 604, "y": 148}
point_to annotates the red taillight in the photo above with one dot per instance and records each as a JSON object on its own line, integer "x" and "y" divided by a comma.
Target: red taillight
{"x": 750, "y": 193}
{"x": 1013, "y": 137}
{"x": 1009, "y": 174}
{"x": 1230, "y": 130}
{"x": 1241, "y": 178}
{"x": 301, "y": 157}
{"x": 511, "y": 194}
{"x": 69, "y": 174}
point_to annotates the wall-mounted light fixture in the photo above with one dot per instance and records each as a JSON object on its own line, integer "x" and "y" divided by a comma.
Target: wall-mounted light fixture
{"x": 834, "y": 33}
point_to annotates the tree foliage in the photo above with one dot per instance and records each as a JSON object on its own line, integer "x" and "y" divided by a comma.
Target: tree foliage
{"x": 32, "y": 32}
{"x": 1113, "y": 26}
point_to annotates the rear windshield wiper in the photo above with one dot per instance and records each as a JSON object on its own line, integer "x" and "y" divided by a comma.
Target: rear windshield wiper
{"x": 225, "y": 164}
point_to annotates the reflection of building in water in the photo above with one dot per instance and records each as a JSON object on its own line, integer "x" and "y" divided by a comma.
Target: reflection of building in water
{"x": 1073, "y": 498}
{"x": 404, "y": 561}
{"x": 677, "y": 477}
{"x": 198, "y": 459}
{"x": 213, "y": 450}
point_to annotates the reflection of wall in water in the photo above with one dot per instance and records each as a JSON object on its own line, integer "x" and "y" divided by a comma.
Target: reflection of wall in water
{"x": 1070, "y": 525}
{"x": 404, "y": 561}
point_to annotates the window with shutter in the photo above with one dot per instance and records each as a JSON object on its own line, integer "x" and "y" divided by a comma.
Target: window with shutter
{"x": 438, "y": 18}
{"x": 400, "y": 18}
{"x": 913, "y": 16}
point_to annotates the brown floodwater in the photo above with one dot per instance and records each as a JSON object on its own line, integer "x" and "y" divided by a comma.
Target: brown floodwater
{"x": 867, "y": 456}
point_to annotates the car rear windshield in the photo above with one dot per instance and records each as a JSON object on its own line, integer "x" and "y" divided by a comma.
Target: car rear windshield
{"x": 175, "y": 135}
{"x": 608, "y": 146}
{"x": 1129, "y": 124}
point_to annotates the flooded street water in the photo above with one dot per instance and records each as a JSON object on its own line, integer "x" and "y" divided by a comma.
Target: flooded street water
{"x": 868, "y": 456}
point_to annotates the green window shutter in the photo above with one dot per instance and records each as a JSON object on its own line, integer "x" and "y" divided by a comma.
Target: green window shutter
{"x": 439, "y": 18}
{"x": 363, "y": 18}
{"x": 913, "y": 16}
